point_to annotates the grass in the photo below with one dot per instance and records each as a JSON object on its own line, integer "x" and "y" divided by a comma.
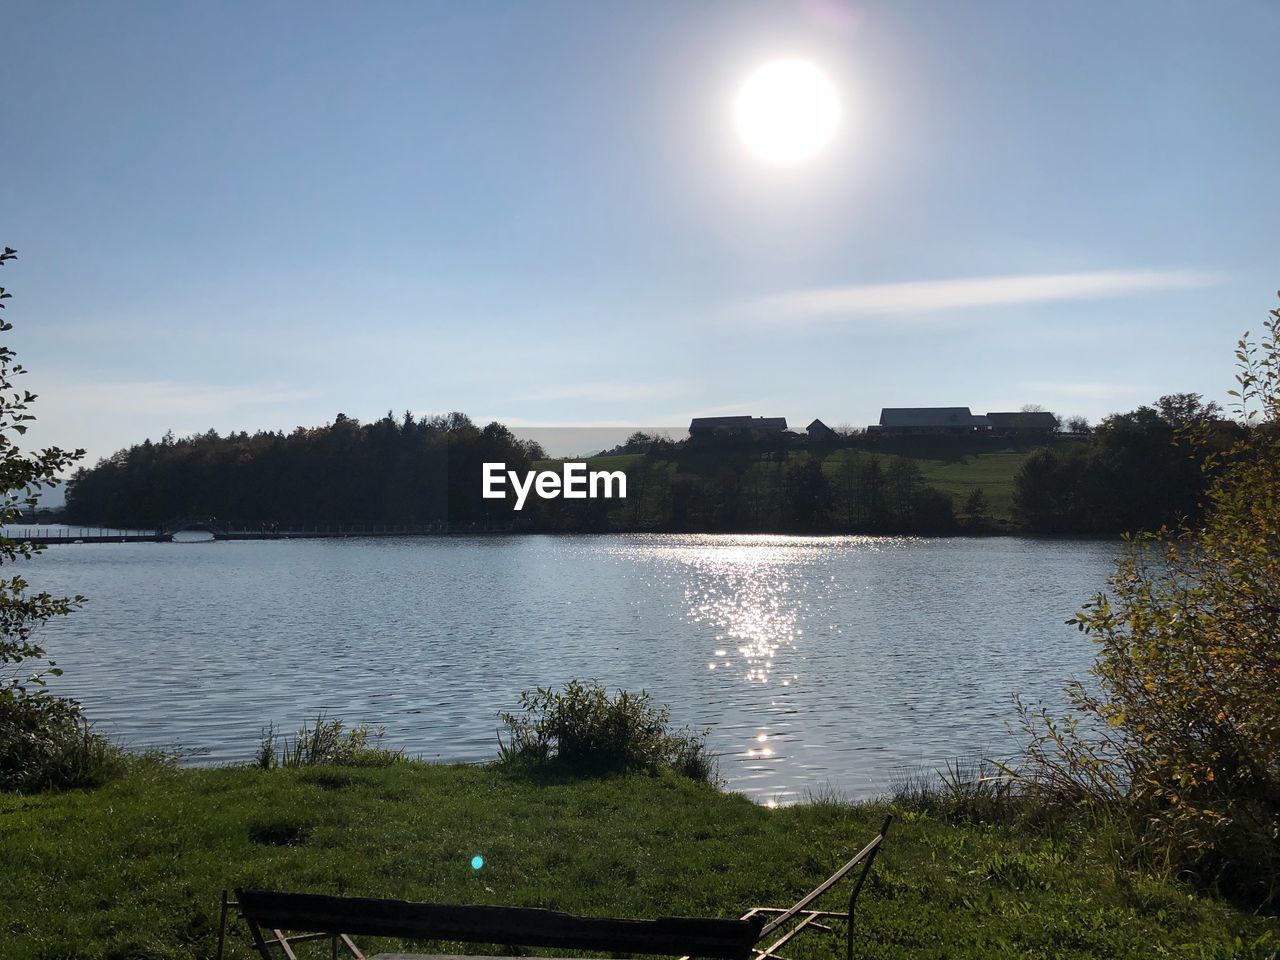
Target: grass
{"x": 133, "y": 869}
{"x": 992, "y": 472}
{"x": 959, "y": 465}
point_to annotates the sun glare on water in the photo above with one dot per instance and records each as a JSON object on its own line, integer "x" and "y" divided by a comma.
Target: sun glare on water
{"x": 787, "y": 111}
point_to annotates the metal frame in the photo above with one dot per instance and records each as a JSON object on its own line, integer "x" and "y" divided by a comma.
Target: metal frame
{"x": 803, "y": 918}
{"x": 810, "y": 918}
{"x": 278, "y": 938}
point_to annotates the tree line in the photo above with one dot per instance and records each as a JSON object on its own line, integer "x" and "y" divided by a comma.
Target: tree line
{"x": 1139, "y": 471}
{"x": 425, "y": 474}
{"x": 416, "y": 473}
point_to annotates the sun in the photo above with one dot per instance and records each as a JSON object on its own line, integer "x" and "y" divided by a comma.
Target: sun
{"x": 787, "y": 111}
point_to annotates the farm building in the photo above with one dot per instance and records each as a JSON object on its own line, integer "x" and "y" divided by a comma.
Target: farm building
{"x": 906, "y": 420}
{"x": 819, "y": 432}
{"x": 708, "y": 427}
{"x": 1023, "y": 423}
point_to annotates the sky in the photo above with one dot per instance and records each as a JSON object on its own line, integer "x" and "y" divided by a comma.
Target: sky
{"x": 255, "y": 215}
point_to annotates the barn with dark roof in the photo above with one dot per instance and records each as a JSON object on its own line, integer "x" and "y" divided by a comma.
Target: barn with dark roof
{"x": 1038, "y": 421}
{"x": 901, "y": 420}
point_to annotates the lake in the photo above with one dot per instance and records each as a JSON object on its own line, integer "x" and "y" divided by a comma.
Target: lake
{"x": 819, "y": 664}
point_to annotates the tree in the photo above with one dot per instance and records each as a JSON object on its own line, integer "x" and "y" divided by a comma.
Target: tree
{"x": 1181, "y": 726}
{"x": 808, "y": 494}
{"x": 38, "y": 731}
{"x": 975, "y": 508}
{"x": 1185, "y": 409}
{"x": 932, "y": 511}
{"x": 1039, "y": 500}
{"x": 903, "y": 480}
{"x": 871, "y": 486}
{"x": 1078, "y": 425}
{"x": 1140, "y": 470}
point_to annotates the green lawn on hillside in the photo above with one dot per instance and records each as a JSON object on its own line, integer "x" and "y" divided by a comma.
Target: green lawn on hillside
{"x": 134, "y": 869}
{"x": 992, "y": 472}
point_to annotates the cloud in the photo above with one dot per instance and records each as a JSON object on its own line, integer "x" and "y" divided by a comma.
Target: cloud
{"x": 944, "y": 296}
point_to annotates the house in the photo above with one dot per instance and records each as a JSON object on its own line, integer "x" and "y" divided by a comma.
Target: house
{"x": 819, "y": 432}
{"x": 1023, "y": 423}
{"x": 702, "y": 428}
{"x": 908, "y": 420}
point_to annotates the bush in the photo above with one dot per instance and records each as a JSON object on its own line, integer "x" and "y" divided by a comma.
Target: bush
{"x": 325, "y": 743}
{"x": 1180, "y": 731}
{"x": 46, "y": 743}
{"x": 581, "y": 729}
{"x": 44, "y": 740}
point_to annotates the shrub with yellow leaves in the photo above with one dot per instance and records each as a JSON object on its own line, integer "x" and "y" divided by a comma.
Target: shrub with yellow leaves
{"x": 1179, "y": 729}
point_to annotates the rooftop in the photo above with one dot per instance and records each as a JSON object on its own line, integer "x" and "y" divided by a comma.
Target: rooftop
{"x": 769, "y": 424}
{"x": 926, "y": 417}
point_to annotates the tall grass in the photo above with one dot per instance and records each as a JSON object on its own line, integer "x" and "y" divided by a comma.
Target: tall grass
{"x": 325, "y": 742}
{"x": 970, "y": 791}
{"x": 47, "y": 744}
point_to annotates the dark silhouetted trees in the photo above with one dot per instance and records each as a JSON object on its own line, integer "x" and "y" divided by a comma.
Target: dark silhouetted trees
{"x": 1140, "y": 471}
{"x": 426, "y": 474}
{"x": 417, "y": 473}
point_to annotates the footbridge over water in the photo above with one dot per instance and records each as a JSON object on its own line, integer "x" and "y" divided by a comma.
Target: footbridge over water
{"x": 194, "y": 524}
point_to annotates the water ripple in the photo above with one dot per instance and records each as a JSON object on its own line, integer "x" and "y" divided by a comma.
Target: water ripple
{"x": 817, "y": 663}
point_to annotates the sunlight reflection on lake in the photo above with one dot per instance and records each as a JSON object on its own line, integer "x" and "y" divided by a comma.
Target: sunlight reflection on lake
{"x": 817, "y": 663}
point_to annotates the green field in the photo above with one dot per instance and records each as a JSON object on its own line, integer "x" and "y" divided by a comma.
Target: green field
{"x": 134, "y": 869}
{"x": 992, "y": 472}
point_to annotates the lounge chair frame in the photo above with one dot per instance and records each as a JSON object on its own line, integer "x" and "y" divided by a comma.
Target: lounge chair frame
{"x": 269, "y": 914}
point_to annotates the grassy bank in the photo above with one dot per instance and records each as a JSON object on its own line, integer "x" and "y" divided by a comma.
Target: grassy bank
{"x": 133, "y": 869}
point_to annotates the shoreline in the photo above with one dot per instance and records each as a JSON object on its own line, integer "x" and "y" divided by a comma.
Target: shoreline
{"x": 248, "y": 535}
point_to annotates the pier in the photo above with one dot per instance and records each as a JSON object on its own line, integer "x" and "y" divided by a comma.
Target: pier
{"x": 35, "y": 536}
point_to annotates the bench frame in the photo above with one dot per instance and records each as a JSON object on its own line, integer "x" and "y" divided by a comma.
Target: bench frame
{"x": 806, "y": 918}
{"x": 335, "y": 918}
